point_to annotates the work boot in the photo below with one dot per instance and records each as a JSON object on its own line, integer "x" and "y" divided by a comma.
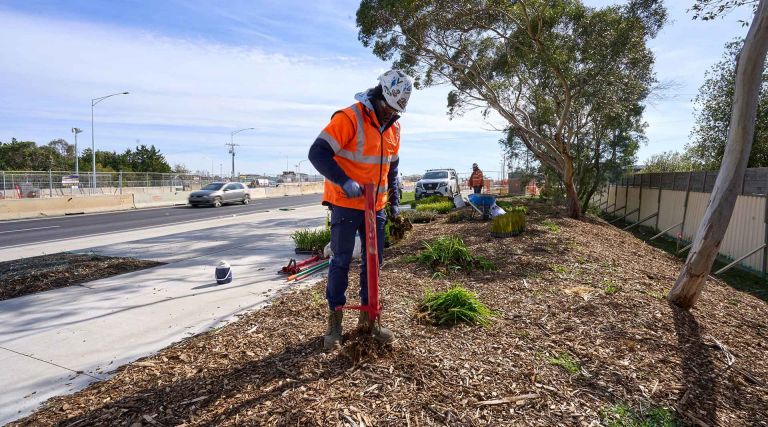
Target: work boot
{"x": 332, "y": 336}
{"x": 380, "y": 333}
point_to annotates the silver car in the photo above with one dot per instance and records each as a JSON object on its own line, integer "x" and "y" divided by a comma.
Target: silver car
{"x": 219, "y": 193}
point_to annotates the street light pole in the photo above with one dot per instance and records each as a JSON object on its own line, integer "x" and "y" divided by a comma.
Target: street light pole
{"x": 232, "y": 147}
{"x": 95, "y": 101}
{"x": 77, "y": 155}
{"x": 298, "y": 169}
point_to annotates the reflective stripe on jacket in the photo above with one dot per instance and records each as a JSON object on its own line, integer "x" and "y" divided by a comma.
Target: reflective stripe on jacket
{"x": 362, "y": 152}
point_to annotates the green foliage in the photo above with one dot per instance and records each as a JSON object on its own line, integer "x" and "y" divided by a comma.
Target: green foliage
{"x": 419, "y": 217}
{"x": 310, "y": 239}
{"x": 623, "y": 416}
{"x": 511, "y": 207}
{"x": 671, "y": 161}
{"x": 407, "y": 198}
{"x": 431, "y": 200}
{"x": 550, "y": 225}
{"x": 712, "y": 114}
{"x": 451, "y": 253}
{"x": 523, "y": 59}
{"x": 454, "y": 306}
{"x": 707, "y": 10}
{"x": 60, "y": 155}
{"x": 439, "y": 207}
{"x": 567, "y": 362}
{"x": 458, "y": 216}
{"x": 610, "y": 287}
{"x": 510, "y": 222}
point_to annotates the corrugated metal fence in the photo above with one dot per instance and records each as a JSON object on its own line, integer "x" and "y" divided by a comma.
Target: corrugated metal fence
{"x": 674, "y": 203}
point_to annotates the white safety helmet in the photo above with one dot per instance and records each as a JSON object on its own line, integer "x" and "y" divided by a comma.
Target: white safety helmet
{"x": 396, "y": 87}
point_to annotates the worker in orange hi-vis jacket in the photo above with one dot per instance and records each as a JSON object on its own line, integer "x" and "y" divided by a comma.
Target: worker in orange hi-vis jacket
{"x": 476, "y": 179}
{"x": 360, "y": 146}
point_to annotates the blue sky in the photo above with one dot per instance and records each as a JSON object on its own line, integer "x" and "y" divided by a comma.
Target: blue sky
{"x": 198, "y": 70}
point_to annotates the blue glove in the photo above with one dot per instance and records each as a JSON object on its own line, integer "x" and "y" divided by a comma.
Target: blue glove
{"x": 395, "y": 211}
{"x": 352, "y": 189}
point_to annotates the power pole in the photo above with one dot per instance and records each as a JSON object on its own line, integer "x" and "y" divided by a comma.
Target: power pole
{"x": 232, "y": 146}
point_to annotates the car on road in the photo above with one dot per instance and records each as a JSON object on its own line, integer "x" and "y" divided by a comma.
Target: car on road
{"x": 443, "y": 182}
{"x": 219, "y": 193}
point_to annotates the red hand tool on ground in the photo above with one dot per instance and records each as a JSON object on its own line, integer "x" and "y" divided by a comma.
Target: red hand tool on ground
{"x": 293, "y": 267}
{"x": 371, "y": 256}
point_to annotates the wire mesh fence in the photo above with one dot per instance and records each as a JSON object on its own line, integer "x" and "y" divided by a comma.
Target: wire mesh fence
{"x": 42, "y": 184}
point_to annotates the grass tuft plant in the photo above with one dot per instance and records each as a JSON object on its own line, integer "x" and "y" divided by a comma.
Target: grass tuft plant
{"x": 567, "y": 362}
{"x": 623, "y": 416}
{"x": 451, "y": 253}
{"x": 454, "y": 306}
{"x": 420, "y": 217}
{"x": 310, "y": 239}
{"x": 550, "y": 225}
{"x": 509, "y": 224}
{"x": 430, "y": 200}
{"x": 439, "y": 207}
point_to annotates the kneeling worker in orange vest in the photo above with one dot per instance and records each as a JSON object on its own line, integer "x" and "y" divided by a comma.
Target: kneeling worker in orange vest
{"x": 359, "y": 146}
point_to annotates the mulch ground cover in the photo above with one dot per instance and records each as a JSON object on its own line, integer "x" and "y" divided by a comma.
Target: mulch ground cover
{"x": 582, "y": 336}
{"x": 42, "y": 273}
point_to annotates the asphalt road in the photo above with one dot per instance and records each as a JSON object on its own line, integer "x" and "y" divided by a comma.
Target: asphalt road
{"x": 21, "y": 232}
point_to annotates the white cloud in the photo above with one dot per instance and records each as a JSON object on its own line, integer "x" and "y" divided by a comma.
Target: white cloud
{"x": 186, "y": 96}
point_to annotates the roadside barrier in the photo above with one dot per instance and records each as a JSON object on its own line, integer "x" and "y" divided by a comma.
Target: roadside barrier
{"x": 40, "y": 208}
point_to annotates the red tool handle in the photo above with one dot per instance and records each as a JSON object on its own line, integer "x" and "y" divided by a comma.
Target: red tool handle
{"x": 371, "y": 256}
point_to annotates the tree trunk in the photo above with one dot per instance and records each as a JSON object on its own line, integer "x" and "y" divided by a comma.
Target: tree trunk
{"x": 749, "y": 72}
{"x": 574, "y": 207}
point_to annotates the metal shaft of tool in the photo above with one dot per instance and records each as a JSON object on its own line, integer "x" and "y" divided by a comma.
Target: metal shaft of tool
{"x": 371, "y": 253}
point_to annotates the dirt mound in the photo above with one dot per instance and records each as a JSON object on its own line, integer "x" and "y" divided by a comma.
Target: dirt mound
{"x": 582, "y": 335}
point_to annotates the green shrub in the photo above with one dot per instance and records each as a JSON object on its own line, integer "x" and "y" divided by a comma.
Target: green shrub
{"x": 310, "y": 239}
{"x": 439, "y": 207}
{"x": 453, "y": 306}
{"x": 450, "y": 252}
{"x": 567, "y": 362}
{"x": 550, "y": 225}
{"x": 509, "y": 223}
{"x": 430, "y": 200}
{"x": 459, "y": 216}
{"x": 623, "y": 416}
{"x": 419, "y": 217}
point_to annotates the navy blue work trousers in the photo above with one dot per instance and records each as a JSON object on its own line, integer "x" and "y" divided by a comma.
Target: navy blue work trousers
{"x": 345, "y": 224}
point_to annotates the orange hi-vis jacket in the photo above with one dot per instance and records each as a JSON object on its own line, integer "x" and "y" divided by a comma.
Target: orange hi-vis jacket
{"x": 362, "y": 152}
{"x": 476, "y": 179}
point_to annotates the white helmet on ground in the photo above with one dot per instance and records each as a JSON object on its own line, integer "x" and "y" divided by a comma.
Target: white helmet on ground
{"x": 396, "y": 87}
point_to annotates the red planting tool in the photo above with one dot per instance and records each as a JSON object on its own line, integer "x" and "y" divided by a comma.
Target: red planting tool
{"x": 371, "y": 256}
{"x": 293, "y": 267}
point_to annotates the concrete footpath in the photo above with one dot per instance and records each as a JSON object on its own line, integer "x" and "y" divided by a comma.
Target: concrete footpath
{"x": 59, "y": 341}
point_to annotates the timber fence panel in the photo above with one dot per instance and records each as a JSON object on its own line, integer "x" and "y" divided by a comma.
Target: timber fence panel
{"x": 746, "y": 231}
{"x": 633, "y": 203}
{"x": 697, "y": 205}
{"x": 671, "y": 211}
{"x": 649, "y": 205}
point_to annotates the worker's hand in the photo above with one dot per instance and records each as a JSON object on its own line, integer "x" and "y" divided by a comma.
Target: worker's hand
{"x": 395, "y": 211}
{"x": 352, "y": 189}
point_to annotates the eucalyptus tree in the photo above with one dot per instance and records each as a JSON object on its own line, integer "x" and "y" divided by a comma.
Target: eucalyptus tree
{"x": 750, "y": 66}
{"x": 554, "y": 70}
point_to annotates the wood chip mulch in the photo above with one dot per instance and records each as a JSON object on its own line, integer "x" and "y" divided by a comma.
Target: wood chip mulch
{"x": 588, "y": 292}
{"x": 41, "y": 273}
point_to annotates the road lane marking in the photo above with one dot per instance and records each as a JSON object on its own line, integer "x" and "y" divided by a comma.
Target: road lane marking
{"x": 147, "y": 227}
{"x": 29, "y": 229}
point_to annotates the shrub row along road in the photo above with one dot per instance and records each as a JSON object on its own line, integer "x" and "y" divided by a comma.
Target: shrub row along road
{"x": 22, "y": 232}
